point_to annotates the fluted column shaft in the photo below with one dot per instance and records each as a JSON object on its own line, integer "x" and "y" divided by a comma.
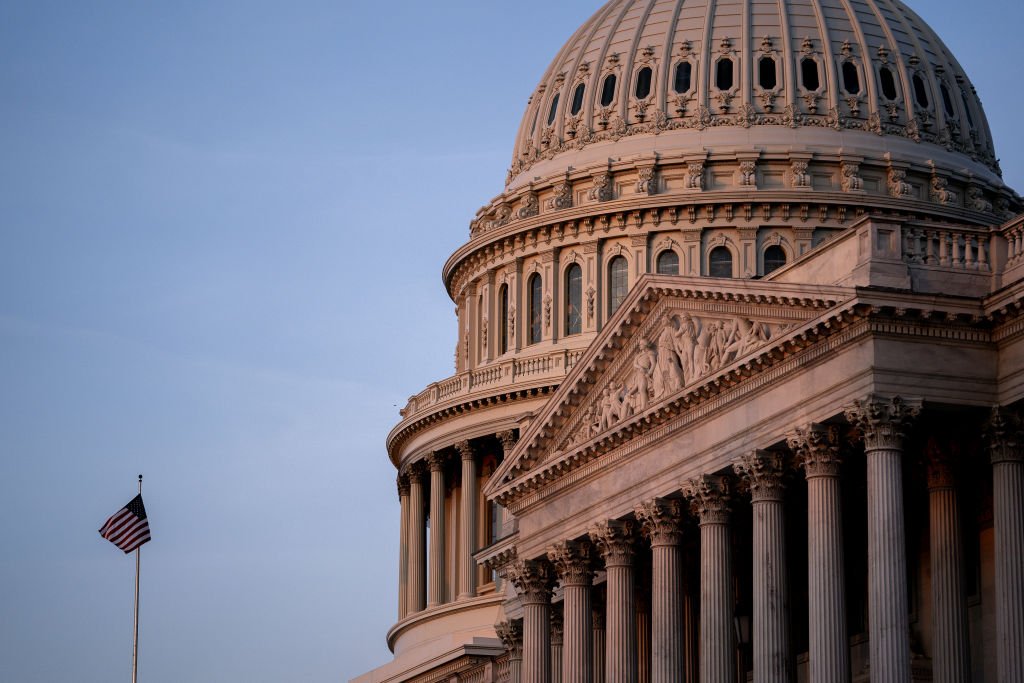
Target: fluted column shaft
{"x": 533, "y": 581}
{"x": 717, "y": 648}
{"x": 1006, "y": 446}
{"x": 467, "y": 568}
{"x": 557, "y": 641}
{"x": 615, "y": 541}
{"x": 573, "y": 562}
{"x": 661, "y": 524}
{"x": 762, "y": 472}
{"x": 643, "y": 640}
{"x": 882, "y": 422}
{"x": 403, "y": 547}
{"x": 949, "y": 623}
{"x": 817, "y": 447}
{"x": 600, "y": 645}
{"x": 417, "y": 542}
{"x": 436, "y": 592}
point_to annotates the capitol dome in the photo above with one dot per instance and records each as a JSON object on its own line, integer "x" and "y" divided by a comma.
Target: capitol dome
{"x": 671, "y": 77}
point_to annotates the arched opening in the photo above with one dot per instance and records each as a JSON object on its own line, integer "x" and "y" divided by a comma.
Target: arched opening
{"x": 608, "y": 90}
{"x": 684, "y": 74}
{"x": 577, "y": 99}
{"x": 920, "y": 91}
{"x": 809, "y": 74}
{"x": 503, "y": 315}
{"x": 766, "y": 73}
{"x": 947, "y": 101}
{"x": 774, "y": 258}
{"x": 723, "y": 74}
{"x": 668, "y": 263}
{"x": 618, "y": 282}
{"x": 573, "y": 300}
{"x": 885, "y": 77}
{"x": 643, "y": 83}
{"x": 554, "y": 110}
{"x": 720, "y": 262}
{"x": 536, "y": 319}
{"x": 851, "y": 78}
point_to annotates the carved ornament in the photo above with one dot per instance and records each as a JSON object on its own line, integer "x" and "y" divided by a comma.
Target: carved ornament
{"x": 511, "y": 635}
{"x": 709, "y": 498}
{"x": 615, "y": 540}
{"x": 817, "y": 449}
{"x": 761, "y": 473}
{"x": 1004, "y": 436}
{"x": 883, "y": 421}
{"x": 573, "y": 562}
{"x": 534, "y": 580}
{"x": 661, "y": 521}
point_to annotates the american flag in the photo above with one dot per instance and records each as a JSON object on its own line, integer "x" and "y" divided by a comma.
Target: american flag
{"x": 128, "y": 528}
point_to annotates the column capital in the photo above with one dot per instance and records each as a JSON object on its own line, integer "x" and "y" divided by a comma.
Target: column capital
{"x": 534, "y": 580}
{"x": 416, "y": 470}
{"x": 762, "y": 473}
{"x": 939, "y": 462}
{"x": 465, "y": 450}
{"x": 661, "y": 521}
{"x": 1004, "y": 435}
{"x": 615, "y": 540}
{"x": 573, "y": 562}
{"x": 436, "y": 461}
{"x": 817, "y": 449}
{"x": 511, "y": 635}
{"x": 508, "y": 440}
{"x": 883, "y": 421}
{"x": 403, "y": 484}
{"x": 709, "y": 498}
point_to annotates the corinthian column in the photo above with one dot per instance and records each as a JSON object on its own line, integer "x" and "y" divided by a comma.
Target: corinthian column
{"x": 949, "y": 617}
{"x": 556, "y": 644}
{"x": 883, "y": 423}
{"x": 615, "y": 540}
{"x": 762, "y": 473}
{"x": 403, "y": 546}
{"x": 467, "y": 568}
{"x": 709, "y": 501}
{"x": 435, "y": 595}
{"x": 1006, "y": 449}
{"x": 573, "y": 562}
{"x": 660, "y": 521}
{"x": 511, "y": 634}
{"x": 533, "y": 580}
{"x": 417, "y": 541}
{"x": 817, "y": 448}
{"x": 600, "y": 639}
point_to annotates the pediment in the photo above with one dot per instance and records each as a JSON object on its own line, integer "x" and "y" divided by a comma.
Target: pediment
{"x": 672, "y": 339}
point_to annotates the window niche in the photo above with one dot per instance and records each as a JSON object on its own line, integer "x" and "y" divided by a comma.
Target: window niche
{"x": 810, "y": 77}
{"x": 767, "y": 73}
{"x": 608, "y": 90}
{"x": 720, "y": 262}
{"x": 577, "y": 99}
{"x": 667, "y": 263}
{"x": 573, "y": 300}
{"x": 618, "y": 283}
{"x": 536, "y": 290}
{"x": 643, "y": 83}
{"x": 503, "y": 318}
{"x": 851, "y": 78}
{"x": 774, "y": 258}
{"x": 724, "y": 73}
{"x": 682, "y": 81}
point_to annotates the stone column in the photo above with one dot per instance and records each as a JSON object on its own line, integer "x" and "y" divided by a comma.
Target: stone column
{"x": 417, "y": 541}
{"x": 615, "y": 540}
{"x": 403, "y": 546}
{"x": 1005, "y": 437}
{"x": 435, "y": 594}
{"x": 643, "y": 635}
{"x": 556, "y": 644}
{"x": 599, "y": 614}
{"x": 661, "y": 523}
{"x": 533, "y": 580}
{"x": 762, "y": 473}
{"x": 950, "y": 662}
{"x": 467, "y": 545}
{"x": 817, "y": 448}
{"x": 511, "y": 634}
{"x": 573, "y": 562}
{"x": 710, "y": 504}
{"x": 883, "y": 423}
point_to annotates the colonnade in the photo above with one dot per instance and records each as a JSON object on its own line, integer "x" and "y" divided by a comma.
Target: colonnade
{"x": 618, "y": 653}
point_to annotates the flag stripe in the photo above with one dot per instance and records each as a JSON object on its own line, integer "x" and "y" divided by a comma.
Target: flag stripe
{"x": 128, "y": 528}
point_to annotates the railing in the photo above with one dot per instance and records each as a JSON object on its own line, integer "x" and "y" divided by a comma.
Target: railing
{"x": 506, "y": 373}
{"x": 952, "y": 248}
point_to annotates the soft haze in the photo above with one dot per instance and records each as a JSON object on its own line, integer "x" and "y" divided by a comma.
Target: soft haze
{"x": 222, "y": 226}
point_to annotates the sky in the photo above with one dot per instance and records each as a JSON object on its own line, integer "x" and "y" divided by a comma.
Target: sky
{"x": 222, "y": 226}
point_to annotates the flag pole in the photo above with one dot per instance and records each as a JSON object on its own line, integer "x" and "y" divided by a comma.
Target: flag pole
{"x": 135, "y": 641}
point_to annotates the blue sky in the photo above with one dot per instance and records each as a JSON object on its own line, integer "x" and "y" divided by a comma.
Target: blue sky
{"x": 221, "y": 232}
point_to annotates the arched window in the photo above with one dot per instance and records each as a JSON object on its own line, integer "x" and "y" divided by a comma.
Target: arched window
{"x": 643, "y": 83}
{"x": 535, "y": 308}
{"x": 774, "y": 258}
{"x": 720, "y": 262}
{"x": 503, "y": 314}
{"x": 723, "y": 74}
{"x": 554, "y": 110}
{"x": 851, "y": 79}
{"x": 618, "y": 282}
{"x": 668, "y": 263}
{"x": 947, "y": 101}
{"x": 809, "y": 74}
{"x": 684, "y": 72}
{"x": 920, "y": 91}
{"x": 967, "y": 109}
{"x": 573, "y": 300}
{"x": 608, "y": 90}
{"x": 766, "y": 73}
{"x": 577, "y": 99}
{"x": 888, "y": 83}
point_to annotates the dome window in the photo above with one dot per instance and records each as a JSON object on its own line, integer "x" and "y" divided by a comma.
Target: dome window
{"x": 618, "y": 283}
{"x": 766, "y": 73}
{"x": 503, "y": 323}
{"x": 888, "y": 83}
{"x": 608, "y": 90}
{"x": 774, "y": 258}
{"x": 967, "y": 109}
{"x": 684, "y": 73}
{"x": 554, "y": 110}
{"x": 809, "y": 74}
{"x": 573, "y": 300}
{"x": 535, "y": 308}
{"x": 851, "y": 78}
{"x": 668, "y": 263}
{"x": 947, "y": 101}
{"x": 533, "y": 126}
{"x": 920, "y": 92}
{"x": 577, "y": 99}
{"x": 643, "y": 83}
{"x": 720, "y": 262}
{"x": 723, "y": 74}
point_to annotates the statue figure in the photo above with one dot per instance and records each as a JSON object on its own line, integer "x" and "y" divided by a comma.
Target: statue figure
{"x": 668, "y": 376}
{"x": 639, "y": 387}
